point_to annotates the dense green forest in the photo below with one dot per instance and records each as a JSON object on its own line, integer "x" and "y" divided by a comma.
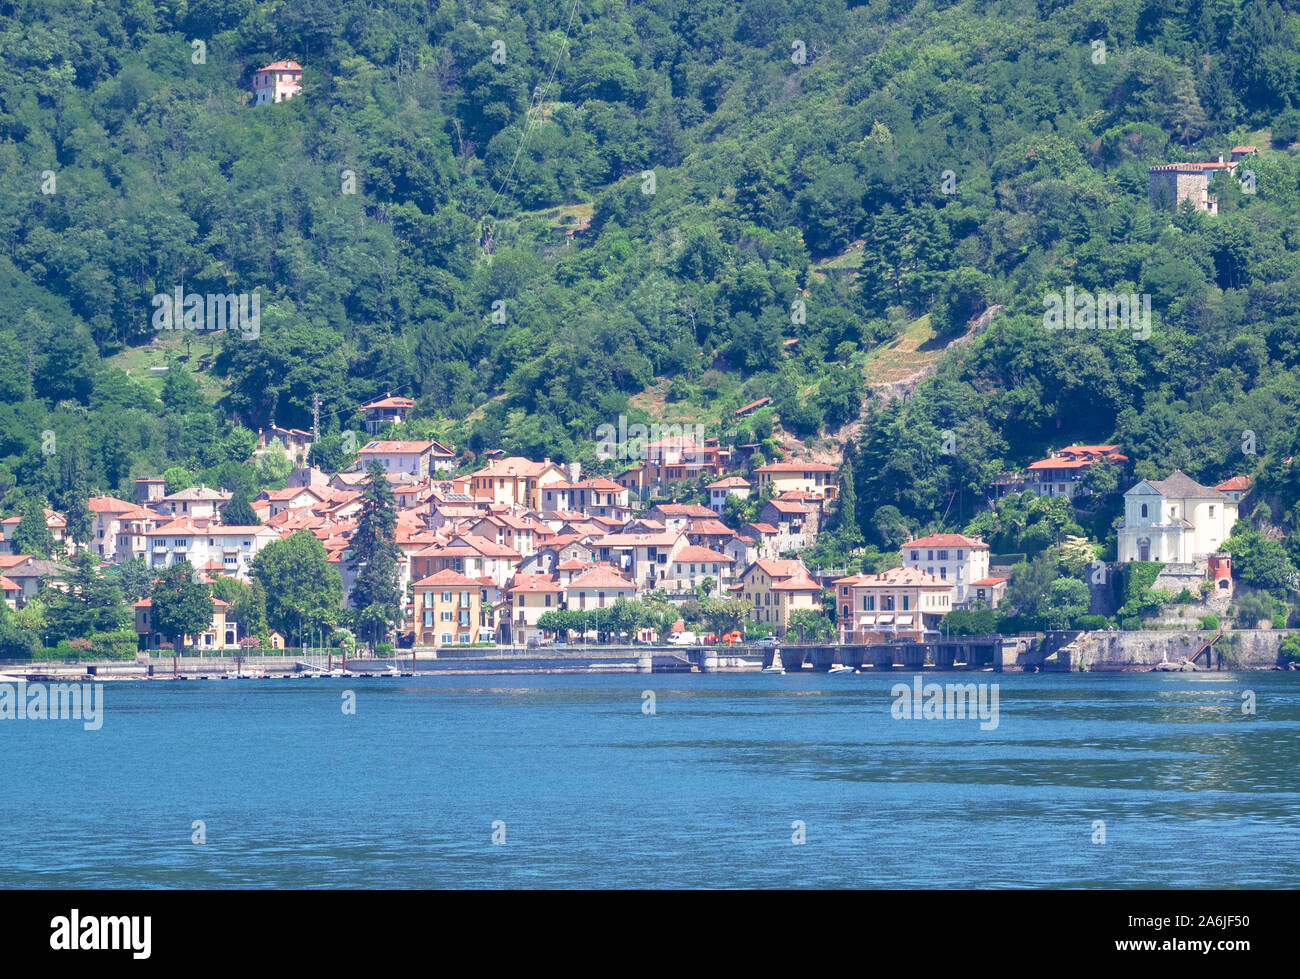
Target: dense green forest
{"x": 736, "y": 175}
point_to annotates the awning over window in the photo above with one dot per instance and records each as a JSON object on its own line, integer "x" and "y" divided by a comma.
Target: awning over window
{"x": 886, "y": 619}
{"x": 904, "y": 620}
{"x": 867, "y": 620}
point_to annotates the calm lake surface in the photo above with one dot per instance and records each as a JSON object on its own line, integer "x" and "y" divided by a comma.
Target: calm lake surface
{"x": 704, "y": 792}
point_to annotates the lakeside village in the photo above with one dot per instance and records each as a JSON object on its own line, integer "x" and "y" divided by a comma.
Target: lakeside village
{"x": 693, "y": 543}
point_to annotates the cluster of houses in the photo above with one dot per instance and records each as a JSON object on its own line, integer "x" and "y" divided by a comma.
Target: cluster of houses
{"x": 486, "y": 555}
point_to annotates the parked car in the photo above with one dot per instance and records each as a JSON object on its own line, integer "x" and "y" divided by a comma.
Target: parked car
{"x": 710, "y": 639}
{"x": 767, "y": 641}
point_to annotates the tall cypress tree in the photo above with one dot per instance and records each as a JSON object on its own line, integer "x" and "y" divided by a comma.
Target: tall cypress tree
{"x": 846, "y": 517}
{"x": 32, "y": 535}
{"x": 239, "y": 512}
{"x": 377, "y": 593}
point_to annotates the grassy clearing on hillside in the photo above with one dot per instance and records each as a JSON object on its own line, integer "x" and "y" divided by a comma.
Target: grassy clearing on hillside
{"x": 137, "y": 361}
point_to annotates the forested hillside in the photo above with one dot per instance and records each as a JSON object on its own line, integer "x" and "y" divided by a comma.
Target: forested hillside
{"x": 654, "y": 198}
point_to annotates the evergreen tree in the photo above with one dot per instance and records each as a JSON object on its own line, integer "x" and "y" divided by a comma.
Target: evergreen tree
{"x": 91, "y": 603}
{"x": 77, "y": 513}
{"x": 239, "y": 512}
{"x": 846, "y": 517}
{"x": 32, "y": 535}
{"x": 133, "y": 579}
{"x": 377, "y": 594}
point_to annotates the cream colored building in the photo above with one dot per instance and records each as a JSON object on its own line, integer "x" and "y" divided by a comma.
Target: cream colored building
{"x": 778, "y": 588}
{"x": 516, "y": 480}
{"x": 806, "y": 477}
{"x": 1174, "y": 520}
{"x": 899, "y": 602}
{"x": 954, "y": 559}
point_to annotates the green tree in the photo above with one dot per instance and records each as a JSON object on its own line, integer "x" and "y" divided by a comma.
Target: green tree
{"x": 725, "y": 614}
{"x": 239, "y": 512}
{"x": 303, "y": 591}
{"x": 32, "y": 535}
{"x": 1065, "y": 601}
{"x": 77, "y": 514}
{"x": 247, "y": 604}
{"x": 811, "y": 624}
{"x": 181, "y": 605}
{"x": 133, "y": 579}
{"x": 377, "y": 593}
{"x": 91, "y": 602}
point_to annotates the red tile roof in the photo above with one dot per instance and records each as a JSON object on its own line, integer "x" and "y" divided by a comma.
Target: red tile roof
{"x": 947, "y": 540}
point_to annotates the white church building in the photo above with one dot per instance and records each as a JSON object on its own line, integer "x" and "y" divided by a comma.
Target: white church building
{"x": 1174, "y": 520}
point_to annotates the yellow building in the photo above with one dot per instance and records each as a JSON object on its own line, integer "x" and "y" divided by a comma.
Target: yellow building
{"x": 778, "y": 588}
{"x": 448, "y": 610}
{"x": 806, "y": 477}
{"x": 515, "y": 480}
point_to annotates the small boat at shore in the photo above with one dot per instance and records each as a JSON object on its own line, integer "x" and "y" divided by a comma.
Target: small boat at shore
{"x": 840, "y": 668}
{"x": 777, "y": 668}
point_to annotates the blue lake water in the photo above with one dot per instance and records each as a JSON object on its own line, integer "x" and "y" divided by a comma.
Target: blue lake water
{"x": 704, "y": 792}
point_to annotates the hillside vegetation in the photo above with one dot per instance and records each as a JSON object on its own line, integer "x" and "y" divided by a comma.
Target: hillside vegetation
{"x": 734, "y": 175}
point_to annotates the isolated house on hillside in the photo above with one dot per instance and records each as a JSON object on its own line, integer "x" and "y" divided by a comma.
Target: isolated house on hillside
{"x": 277, "y": 82}
{"x": 386, "y": 411}
{"x": 1172, "y": 183}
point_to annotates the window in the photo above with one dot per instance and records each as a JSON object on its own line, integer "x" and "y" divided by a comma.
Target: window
{"x": 445, "y": 616}
{"x": 446, "y": 596}
{"x": 1144, "y": 511}
{"x": 446, "y": 638}
{"x": 960, "y": 556}
{"x": 1211, "y": 509}
{"x": 943, "y": 573}
{"x": 906, "y": 602}
{"x": 428, "y": 618}
{"x": 943, "y": 555}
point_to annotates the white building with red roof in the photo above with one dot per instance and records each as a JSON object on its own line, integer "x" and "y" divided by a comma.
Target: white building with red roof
{"x": 1060, "y": 474}
{"x": 1235, "y": 488}
{"x": 411, "y": 458}
{"x": 736, "y": 486}
{"x": 388, "y": 410}
{"x": 954, "y": 559}
{"x": 276, "y": 82}
{"x": 232, "y": 547}
{"x": 693, "y": 564}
